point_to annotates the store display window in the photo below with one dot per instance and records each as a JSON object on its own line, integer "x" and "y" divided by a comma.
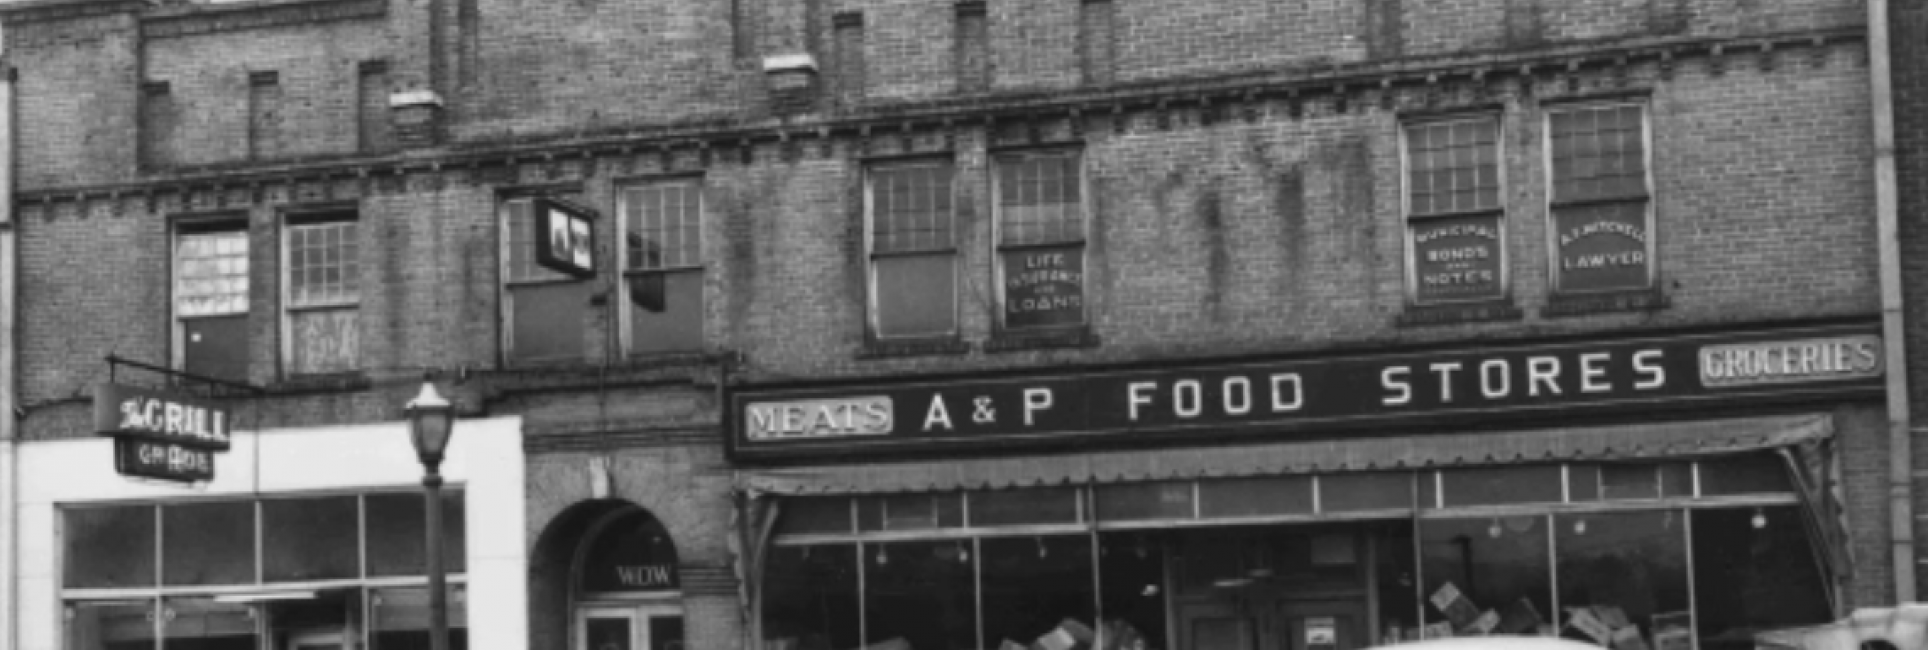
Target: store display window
{"x": 1030, "y": 585}
{"x": 921, "y": 595}
{"x": 1624, "y": 574}
{"x": 1763, "y": 572}
{"x": 810, "y": 599}
{"x": 1486, "y": 575}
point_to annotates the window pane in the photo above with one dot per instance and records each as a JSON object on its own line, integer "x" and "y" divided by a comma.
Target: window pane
{"x": 1043, "y": 287}
{"x": 1751, "y": 474}
{"x": 911, "y": 208}
{"x": 216, "y": 346}
{"x": 805, "y": 515}
{"x": 110, "y": 625}
{"x": 1599, "y": 152}
{"x": 1502, "y": 485}
{"x": 400, "y": 618}
{"x": 202, "y": 624}
{"x": 397, "y": 537}
{"x": 1629, "y": 481}
{"x": 663, "y": 226}
{"x": 1032, "y": 584}
{"x": 1766, "y": 576}
{"x": 1365, "y": 491}
{"x": 1460, "y": 155}
{"x": 1039, "y": 199}
{"x": 1627, "y": 566}
{"x": 546, "y": 321}
{"x": 310, "y": 539}
{"x": 916, "y": 295}
{"x": 1133, "y": 586}
{"x": 325, "y": 340}
{"x": 208, "y": 543}
{"x": 1456, "y": 258}
{"x": 108, "y": 547}
{"x": 323, "y": 266}
{"x": 921, "y": 592}
{"x": 1271, "y": 495}
{"x": 211, "y": 273}
{"x": 810, "y": 597}
{"x": 319, "y": 623}
{"x": 666, "y": 311}
{"x": 1493, "y": 564}
{"x": 1129, "y": 501}
{"x": 1022, "y": 506}
{"x": 1602, "y": 247}
{"x": 910, "y": 512}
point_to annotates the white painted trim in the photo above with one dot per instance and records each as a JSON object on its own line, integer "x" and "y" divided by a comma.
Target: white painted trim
{"x": 406, "y": 98}
{"x": 790, "y": 62}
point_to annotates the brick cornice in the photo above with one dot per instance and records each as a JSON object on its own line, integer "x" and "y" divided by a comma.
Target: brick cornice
{"x": 186, "y": 20}
{"x": 20, "y": 13}
{"x": 1237, "y": 94}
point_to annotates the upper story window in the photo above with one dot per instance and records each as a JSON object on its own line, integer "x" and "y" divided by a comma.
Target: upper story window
{"x": 1454, "y": 216}
{"x": 322, "y": 259}
{"x": 1040, "y": 239}
{"x": 662, "y": 223}
{"x": 913, "y": 250}
{"x": 1601, "y": 199}
{"x": 210, "y": 329}
{"x": 543, "y": 311}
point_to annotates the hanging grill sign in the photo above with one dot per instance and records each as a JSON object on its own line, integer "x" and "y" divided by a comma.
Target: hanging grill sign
{"x": 161, "y": 435}
{"x": 565, "y": 238}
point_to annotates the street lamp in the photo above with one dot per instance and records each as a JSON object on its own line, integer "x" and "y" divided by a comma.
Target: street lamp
{"x": 431, "y": 420}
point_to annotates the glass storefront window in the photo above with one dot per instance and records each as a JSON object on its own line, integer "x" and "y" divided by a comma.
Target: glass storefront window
{"x": 1132, "y": 584}
{"x": 1753, "y": 577}
{"x": 1367, "y": 491}
{"x": 310, "y": 539}
{"x": 1024, "y": 506}
{"x": 1624, "y": 573}
{"x": 396, "y": 529}
{"x": 1483, "y": 486}
{"x": 810, "y": 598}
{"x": 201, "y": 623}
{"x": 1486, "y": 574}
{"x": 1145, "y": 501}
{"x": 399, "y": 618}
{"x": 910, "y": 512}
{"x": 109, "y": 547}
{"x": 208, "y": 543}
{"x": 1245, "y": 497}
{"x": 1029, "y": 585}
{"x": 111, "y": 625}
{"x": 819, "y": 515}
{"x": 922, "y": 593}
{"x": 1751, "y": 474}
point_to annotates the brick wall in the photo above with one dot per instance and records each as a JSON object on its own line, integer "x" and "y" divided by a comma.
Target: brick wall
{"x": 1908, "y": 39}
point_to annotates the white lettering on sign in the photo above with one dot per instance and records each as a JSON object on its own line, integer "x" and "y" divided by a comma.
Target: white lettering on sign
{"x": 179, "y": 460}
{"x": 1186, "y": 397}
{"x": 1540, "y": 375}
{"x": 829, "y": 418}
{"x": 645, "y": 576}
{"x": 158, "y": 416}
{"x": 1773, "y": 362}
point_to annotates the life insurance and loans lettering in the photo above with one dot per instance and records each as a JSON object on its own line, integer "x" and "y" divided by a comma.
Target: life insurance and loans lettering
{"x": 1851, "y": 357}
{"x": 1315, "y": 395}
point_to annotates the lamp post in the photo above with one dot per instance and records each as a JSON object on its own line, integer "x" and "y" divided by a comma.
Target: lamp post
{"x": 431, "y": 420}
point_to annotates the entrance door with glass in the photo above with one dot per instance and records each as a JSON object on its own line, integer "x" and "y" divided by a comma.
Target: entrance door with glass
{"x": 630, "y": 627}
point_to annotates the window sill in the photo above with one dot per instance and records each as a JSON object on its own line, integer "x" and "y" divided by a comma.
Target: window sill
{"x": 337, "y": 382}
{"x": 1643, "y": 300}
{"x": 1081, "y": 337}
{"x": 1483, "y": 312}
{"x": 924, "y": 347}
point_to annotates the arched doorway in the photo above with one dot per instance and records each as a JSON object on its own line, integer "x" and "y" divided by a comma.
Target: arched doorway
{"x": 625, "y": 593}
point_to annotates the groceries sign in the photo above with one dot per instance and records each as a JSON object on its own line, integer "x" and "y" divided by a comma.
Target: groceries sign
{"x": 161, "y": 435}
{"x": 1305, "y": 396}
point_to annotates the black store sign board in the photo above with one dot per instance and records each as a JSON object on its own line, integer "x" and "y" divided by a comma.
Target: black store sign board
{"x": 1306, "y": 396}
{"x": 160, "y": 434}
{"x": 133, "y": 457}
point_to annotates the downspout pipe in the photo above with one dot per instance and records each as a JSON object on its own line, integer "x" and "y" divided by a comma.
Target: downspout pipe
{"x": 1901, "y": 515}
{"x": 9, "y": 398}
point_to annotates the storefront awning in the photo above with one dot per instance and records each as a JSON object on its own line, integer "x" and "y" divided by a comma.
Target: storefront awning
{"x": 1616, "y": 442}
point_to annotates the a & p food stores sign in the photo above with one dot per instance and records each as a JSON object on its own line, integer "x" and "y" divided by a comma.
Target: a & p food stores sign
{"x": 1307, "y": 396}
{"x": 161, "y": 435}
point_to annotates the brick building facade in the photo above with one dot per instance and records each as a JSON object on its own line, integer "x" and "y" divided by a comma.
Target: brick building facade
{"x": 801, "y": 207}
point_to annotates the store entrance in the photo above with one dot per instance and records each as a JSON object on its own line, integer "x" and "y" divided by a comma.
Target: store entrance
{"x": 1290, "y": 587}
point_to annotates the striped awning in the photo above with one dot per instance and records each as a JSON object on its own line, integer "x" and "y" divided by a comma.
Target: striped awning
{"x": 1674, "y": 439}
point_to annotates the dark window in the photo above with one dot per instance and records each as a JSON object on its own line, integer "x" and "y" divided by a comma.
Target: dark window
{"x": 663, "y": 265}
{"x": 545, "y": 312}
{"x": 910, "y": 512}
{"x": 211, "y": 298}
{"x": 1041, "y": 240}
{"x": 1476, "y": 565}
{"x": 1755, "y": 571}
{"x": 913, "y": 251}
{"x": 208, "y": 543}
{"x": 200, "y": 623}
{"x": 1270, "y": 495}
{"x": 1032, "y": 584}
{"x": 110, "y": 625}
{"x": 806, "y": 515}
{"x": 400, "y": 618}
{"x": 1751, "y": 474}
{"x": 1454, "y": 210}
{"x": 310, "y": 539}
{"x": 324, "y": 298}
{"x": 1140, "y": 501}
{"x": 1502, "y": 485}
{"x": 1366, "y": 491}
{"x": 1024, "y": 506}
{"x": 923, "y": 593}
{"x": 632, "y": 553}
{"x": 396, "y": 531}
{"x": 1629, "y": 569}
{"x": 109, "y": 547}
{"x": 810, "y": 597}
{"x": 1602, "y": 225}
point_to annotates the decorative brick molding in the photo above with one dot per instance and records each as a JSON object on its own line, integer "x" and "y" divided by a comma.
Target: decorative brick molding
{"x": 1417, "y": 316}
{"x": 192, "y": 19}
{"x": 1620, "y": 301}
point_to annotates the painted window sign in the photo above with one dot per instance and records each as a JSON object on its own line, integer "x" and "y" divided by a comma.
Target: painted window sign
{"x": 1457, "y": 258}
{"x": 1044, "y": 287}
{"x": 565, "y": 238}
{"x": 633, "y": 552}
{"x": 1602, "y": 218}
{"x": 1306, "y": 394}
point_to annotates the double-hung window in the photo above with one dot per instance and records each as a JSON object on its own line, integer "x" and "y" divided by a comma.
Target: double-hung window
{"x": 211, "y": 298}
{"x": 1602, "y": 221}
{"x": 543, "y": 310}
{"x": 662, "y": 237}
{"x": 913, "y": 250}
{"x": 1455, "y": 218}
{"x": 1040, "y": 240}
{"x": 322, "y": 258}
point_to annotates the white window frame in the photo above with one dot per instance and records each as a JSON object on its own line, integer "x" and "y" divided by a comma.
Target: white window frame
{"x": 872, "y": 305}
{"x": 997, "y": 160}
{"x": 290, "y": 223}
{"x": 624, "y": 319}
{"x": 1407, "y": 219}
{"x": 1647, "y": 161}
{"x": 177, "y": 329}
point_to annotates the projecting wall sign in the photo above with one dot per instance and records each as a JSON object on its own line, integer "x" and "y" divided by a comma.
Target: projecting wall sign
{"x": 1305, "y": 396}
{"x": 159, "y": 434}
